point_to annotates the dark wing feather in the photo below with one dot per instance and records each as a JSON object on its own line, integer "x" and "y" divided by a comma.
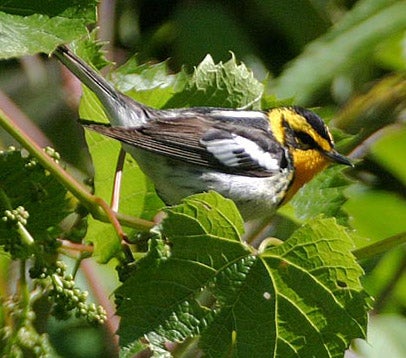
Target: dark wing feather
{"x": 191, "y": 139}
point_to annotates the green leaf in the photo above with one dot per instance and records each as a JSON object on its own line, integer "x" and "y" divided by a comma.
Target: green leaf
{"x": 172, "y": 292}
{"x": 25, "y": 183}
{"x": 319, "y": 294}
{"x": 305, "y": 295}
{"x": 324, "y": 195}
{"x": 302, "y": 298}
{"x": 133, "y": 350}
{"x": 29, "y": 27}
{"x": 205, "y": 213}
{"x": 354, "y": 39}
{"x": 73, "y": 9}
{"x": 220, "y": 85}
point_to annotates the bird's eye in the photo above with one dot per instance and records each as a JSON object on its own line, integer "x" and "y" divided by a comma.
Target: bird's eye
{"x": 304, "y": 141}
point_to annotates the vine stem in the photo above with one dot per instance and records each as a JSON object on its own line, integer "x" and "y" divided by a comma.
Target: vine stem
{"x": 75, "y": 247}
{"x": 99, "y": 209}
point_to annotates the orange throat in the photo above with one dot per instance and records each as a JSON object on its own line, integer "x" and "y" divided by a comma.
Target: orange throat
{"x": 307, "y": 164}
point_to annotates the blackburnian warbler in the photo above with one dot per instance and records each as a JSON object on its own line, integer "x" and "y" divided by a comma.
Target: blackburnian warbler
{"x": 259, "y": 159}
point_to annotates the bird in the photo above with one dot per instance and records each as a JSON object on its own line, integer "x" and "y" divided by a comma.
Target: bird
{"x": 257, "y": 158}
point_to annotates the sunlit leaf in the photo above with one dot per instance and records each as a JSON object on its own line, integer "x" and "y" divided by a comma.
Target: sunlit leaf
{"x": 220, "y": 85}
{"x": 301, "y": 298}
{"x": 29, "y": 27}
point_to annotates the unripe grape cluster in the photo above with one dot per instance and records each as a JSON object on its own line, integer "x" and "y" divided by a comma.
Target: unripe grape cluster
{"x": 67, "y": 297}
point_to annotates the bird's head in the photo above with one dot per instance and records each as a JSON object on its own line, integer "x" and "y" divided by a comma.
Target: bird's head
{"x": 308, "y": 140}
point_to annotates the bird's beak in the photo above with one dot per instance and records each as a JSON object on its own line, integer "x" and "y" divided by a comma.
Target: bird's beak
{"x": 334, "y": 156}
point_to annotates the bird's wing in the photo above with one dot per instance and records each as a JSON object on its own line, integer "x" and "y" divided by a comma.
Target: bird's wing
{"x": 223, "y": 146}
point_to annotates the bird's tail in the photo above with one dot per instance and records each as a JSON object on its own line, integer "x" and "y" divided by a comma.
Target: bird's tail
{"x": 120, "y": 109}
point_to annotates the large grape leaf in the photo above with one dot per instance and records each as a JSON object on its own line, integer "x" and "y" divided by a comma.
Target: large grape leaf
{"x": 302, "y": 298}
{"x": 220, "y": 84}
{"x": 29, "y": 27}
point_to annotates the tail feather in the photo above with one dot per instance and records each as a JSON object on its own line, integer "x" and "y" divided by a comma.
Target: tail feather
{"x": 85, "y": 73}
{"x": 120, "y": 109}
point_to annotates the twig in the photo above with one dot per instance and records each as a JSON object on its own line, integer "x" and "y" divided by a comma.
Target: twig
{"x": 115, "y": 197}
{"x": 72, "y": 246}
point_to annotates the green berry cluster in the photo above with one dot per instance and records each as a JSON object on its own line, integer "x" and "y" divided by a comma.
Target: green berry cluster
{"x": 20, "y": 337}
{"x": 20, "y": 246}
{"x": 17, "y": 215}
{"x": 31, "y": 163}
{"x": 67, "y": 297}
{"x": 53, "y": 154}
